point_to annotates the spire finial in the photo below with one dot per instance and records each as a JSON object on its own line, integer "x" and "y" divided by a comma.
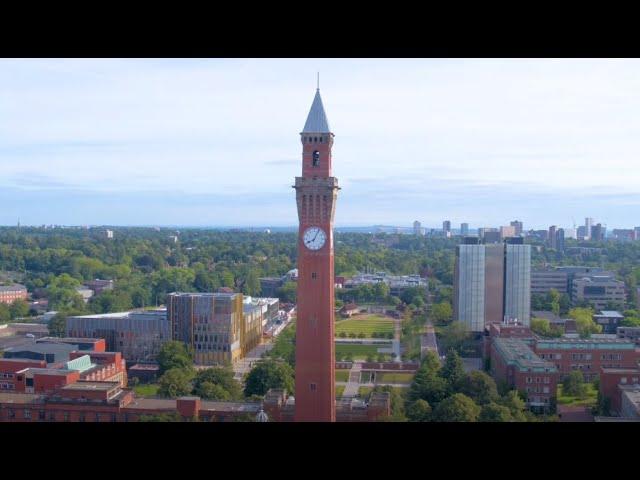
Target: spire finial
{"x": 318, "y": 80}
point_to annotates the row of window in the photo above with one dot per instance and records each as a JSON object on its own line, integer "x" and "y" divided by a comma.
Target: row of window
{"x": 6, "y": 375}
{"x": 82, "y": 417}
{"x": 314, "y": 139}
{"x": 537, "y": 389}
{"x": 7, "y": 386}
{"x": 538, "y": 380}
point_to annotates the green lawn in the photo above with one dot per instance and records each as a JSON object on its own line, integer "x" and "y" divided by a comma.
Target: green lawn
{"x": 394, "y": 378}
{"x": 364, "y": 391}
{"x": 146, "y": 390}
{"x": 590, "y": 400}
{"x": 339, "y": 390}
{"x": 358, "y": 351}
{"x": 366, "y": 324}
{"x": 342, "y": 375}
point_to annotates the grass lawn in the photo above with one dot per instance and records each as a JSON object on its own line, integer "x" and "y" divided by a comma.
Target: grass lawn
{"x": 342, "y": 375}
{"x": 366, "y": 324}
{"x": 359, "y": 352}
{"x": 394, "y": 378}
{"x": 364, "y": 391}
{"x": 146, "y": 390}
{"x": 339, "y": 390}
{"x": 590, "y": 400}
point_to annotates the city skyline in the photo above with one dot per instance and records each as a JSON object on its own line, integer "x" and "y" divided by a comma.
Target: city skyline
{"x": 207, "y": 143}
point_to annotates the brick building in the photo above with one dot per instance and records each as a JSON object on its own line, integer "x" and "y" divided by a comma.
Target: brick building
{"x": 588, "y": 355}
{"x": 611, "y": 381}
{"x": 11, "y": 293}
{"x": 515, "y": 363}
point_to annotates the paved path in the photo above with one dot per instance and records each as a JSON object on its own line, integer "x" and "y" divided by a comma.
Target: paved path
{"x": 351, "y": 387}
{"x": 396, "y": 340}
{"x": 243, "y": 366}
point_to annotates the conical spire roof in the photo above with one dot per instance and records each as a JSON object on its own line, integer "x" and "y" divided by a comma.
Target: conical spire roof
{"x": 317, "y": 120}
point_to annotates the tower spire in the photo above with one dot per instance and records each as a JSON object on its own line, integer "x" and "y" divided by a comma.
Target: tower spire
{"x": 318, "y": 81}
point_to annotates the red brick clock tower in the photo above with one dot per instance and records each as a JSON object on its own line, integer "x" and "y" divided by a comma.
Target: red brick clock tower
{"x": 316, "y": 193}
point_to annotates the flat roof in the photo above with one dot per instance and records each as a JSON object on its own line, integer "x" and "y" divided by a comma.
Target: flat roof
{"x": 609, "y": 313}
{"x": 101, "y": 386}
{"x": 621, "y": 370}
{"x": 21, "y": 398}
{"x": 517, "y": 352}
{"x": 51, "y": 371}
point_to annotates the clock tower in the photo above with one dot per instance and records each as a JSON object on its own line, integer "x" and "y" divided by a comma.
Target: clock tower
{"x": 316, "y": 193}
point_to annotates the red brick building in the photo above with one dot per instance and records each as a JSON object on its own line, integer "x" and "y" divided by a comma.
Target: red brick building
{"x": 611, "y": 379}
{"x": 515, "y": 363}
{"x": 11, "y": 293}
{"x": 588, "y": 355}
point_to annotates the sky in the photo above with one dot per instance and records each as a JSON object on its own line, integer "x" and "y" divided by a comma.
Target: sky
{"x": 215, "y": 142}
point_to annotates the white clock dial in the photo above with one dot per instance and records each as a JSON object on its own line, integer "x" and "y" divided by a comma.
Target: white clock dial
{"x": 314, "y": 238}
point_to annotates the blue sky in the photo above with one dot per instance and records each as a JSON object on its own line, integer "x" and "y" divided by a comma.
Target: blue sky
{"x": 214, "y": 142}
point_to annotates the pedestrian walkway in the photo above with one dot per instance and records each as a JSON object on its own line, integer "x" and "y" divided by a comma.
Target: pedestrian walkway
{"x": 351, "y": 388}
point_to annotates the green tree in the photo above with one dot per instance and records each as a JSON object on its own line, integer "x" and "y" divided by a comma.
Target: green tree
{"x": 442, "y": 312}
{"x": 57, "y": 326}
{"x": 269, "y": 374}
{"x": 553, "y": 299}
{"x": 456, "y": 408}
{"x": 287, "y": 293}
{"x": 5, "y": 313}
{"x": 492, "y": 412}
{"x": 419, "y": 411}
{"x": 211, "y": 391}
{"x": 454, "y": 336}
{"x": 175, "y": 382}
{"x": 174, "y": 354}
{"x": 515, "y": 404}
{"x": 480, "y": 387}
{"x": 453, "y": 371}
{"x": 19, "y": 308}
{"x": 161, "y": 417}
{"x": 222, "y": 377}
{"x": 584, "y": 321}
{"x": 573, "y": 385}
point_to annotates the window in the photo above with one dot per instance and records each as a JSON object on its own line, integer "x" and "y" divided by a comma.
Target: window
{"x": 623, "y": 380}
{"x": 529, "y": 380}
{"x": 312, "y": 387}
{"x": 11, "y": 413}
{"x": 316, "y": 158}
{"x": 66, "y": 416}
{"x": 27, "y": 413}
{"x": 545, "y": 390}
{"x": 41, "y": 415}
{"x": 314, "y": 275}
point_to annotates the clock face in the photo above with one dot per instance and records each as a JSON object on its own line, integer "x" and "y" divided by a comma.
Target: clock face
{"x": 314, "y": 238}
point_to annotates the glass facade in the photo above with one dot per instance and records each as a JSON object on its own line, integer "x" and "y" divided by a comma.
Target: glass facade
{"x": 470, "y": 297}
{"x": 518, "y": 283}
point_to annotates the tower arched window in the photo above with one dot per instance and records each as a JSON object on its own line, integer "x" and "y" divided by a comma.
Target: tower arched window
{"x": 316, "y": 158}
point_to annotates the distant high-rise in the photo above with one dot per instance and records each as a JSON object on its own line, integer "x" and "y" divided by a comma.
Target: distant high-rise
{"x": 492, "y": 282}
{"x": 518, "y": 226}
{"x": 559, "y": 240}
{"x": 446, "y": 228}
{"x": 581, "y": 233}
{"x": 417, "y": 228}
{"x": 552, "y": 236}
{"x": 598, "y": 232}
{"x": 588, "y": 223}
{"x": 464, "y": 229}
{"x": 507, "y": 231}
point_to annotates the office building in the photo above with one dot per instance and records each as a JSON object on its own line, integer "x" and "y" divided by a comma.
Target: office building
{"x": 446, "y": 228}
{"x": 517, "y": 224}
{"x": 11, "y": 293}
{"x": 609, "y": 320}
{"x": 598, "y": 232}
{"x": 543, "y": 280}
{"x": 139, "y": 335}
{"x": 492, "y": 282}
{"x": 588, "y": 224}
{"x": 613, "y": 382}
{"x": 623, "y": 234}
{"x": 396, "y": 283}
{"x": 581, "y": 233}
{"x": 489, "y": 235}
{"x": 214, "y": 325}
{"x": 559, "y": 243}
{"x": 507, "y": 232}
{"x": 464, "y": 229}
{"x": 417, "y": 228}
{"x": 599, "y": 290}
{"x": 551, "y": 236}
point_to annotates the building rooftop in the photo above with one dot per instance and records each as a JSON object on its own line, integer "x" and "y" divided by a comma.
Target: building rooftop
{"x": 516, "y": 352}
{"x": 609, "y": 314}
{"x": 12, "y": 288}
{"x": 21, "y": 398}
{"x": 96, "y": 386}
{"x": 587, "y": 343}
